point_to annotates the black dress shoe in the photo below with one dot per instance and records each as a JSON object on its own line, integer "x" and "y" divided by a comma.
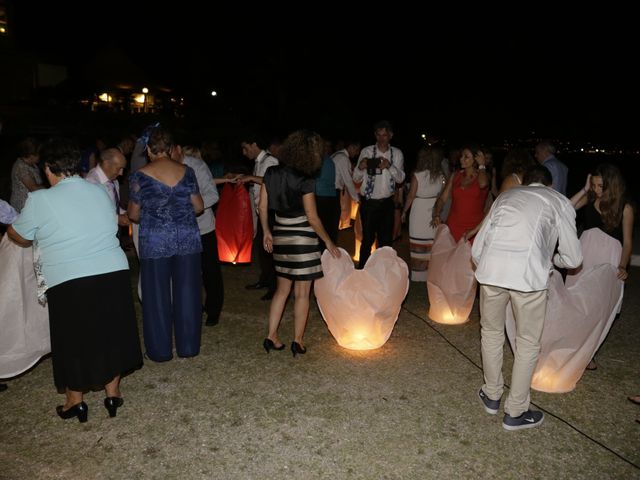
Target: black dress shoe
{"x": 256, "y": 286}
{"x": 269, "y": 345}
{"x": 81, "y": 410}
{"x": 268, "y": 295}
{"x": 297, "y": 348}
{"x": 112, "y": 404}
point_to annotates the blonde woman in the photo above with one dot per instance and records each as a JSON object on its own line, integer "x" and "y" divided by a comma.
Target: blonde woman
{"x": 426, "y": 185}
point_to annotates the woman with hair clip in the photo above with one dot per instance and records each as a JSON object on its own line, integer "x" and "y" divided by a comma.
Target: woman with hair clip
{"x": 607, "y": 207}
{"x": 164, "y": 199}
{"x": 288, "y": 189}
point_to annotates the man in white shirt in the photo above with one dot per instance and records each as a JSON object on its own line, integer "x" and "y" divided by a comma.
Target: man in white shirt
{"x": 513, "y": 253}
{"x": 211, "y": 271}
{"x": 380, "y": 167}
{"x": 263, "y": 160}
{"x": 545, "y": 154}
{"x": 344, "y": 174}
{"x": 106, "y": 173}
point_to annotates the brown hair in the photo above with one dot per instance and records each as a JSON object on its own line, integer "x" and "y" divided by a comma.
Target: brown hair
{"x": 302, "y": 150}
{"x": 614, "y": 195}
{"x": 430, "y": 159}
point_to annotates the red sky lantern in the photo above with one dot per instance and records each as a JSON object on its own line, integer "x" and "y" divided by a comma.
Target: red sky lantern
{"x": 234, "y": 224}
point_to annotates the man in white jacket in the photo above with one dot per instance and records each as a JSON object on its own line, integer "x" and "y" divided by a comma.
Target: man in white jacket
{"x": 513, "y": 253}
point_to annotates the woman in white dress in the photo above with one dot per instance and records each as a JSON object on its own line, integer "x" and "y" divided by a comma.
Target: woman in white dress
{"x": 426, "y": 184}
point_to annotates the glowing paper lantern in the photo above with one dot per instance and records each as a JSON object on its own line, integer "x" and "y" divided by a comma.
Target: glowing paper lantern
{"x": 234, "y": 224}
{"x": 451, "y": 284}
{"x": 361, "y": 307}
{"x": 355, "y": 207}
{"x": 579, "y": 315}
{"x": 346, "y": 210}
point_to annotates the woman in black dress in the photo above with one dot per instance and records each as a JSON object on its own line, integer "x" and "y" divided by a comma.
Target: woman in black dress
{"x": 607, "y": 207}
{"x": 292, "y": 237}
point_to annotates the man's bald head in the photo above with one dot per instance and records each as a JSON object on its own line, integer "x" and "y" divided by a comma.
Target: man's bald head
{"x": 112, "y": 162}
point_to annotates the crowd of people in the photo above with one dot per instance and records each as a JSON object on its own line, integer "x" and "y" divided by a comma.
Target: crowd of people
{"x": 298, "y": 191}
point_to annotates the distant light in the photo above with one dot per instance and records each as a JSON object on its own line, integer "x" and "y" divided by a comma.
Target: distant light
{"x": 424, "y": 136}
{"x": 139, "y": 98}
{"x": 145, "y": 90}
{"x": 105, "y": 97}
{"x": 214, "y": 93}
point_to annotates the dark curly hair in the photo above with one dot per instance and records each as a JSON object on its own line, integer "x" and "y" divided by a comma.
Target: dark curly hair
{"x": 62, "y": 156}
{"x": 302, "y": 150}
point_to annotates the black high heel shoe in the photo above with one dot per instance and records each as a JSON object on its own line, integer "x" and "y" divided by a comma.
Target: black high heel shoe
{"x": 81, "y": 410}
{"x": 112, "y": 404}
{"x": 297, "y": 348}
{"x": 269, "y": 345}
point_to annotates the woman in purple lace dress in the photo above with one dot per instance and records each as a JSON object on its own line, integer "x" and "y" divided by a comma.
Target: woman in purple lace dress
{"x": 165, "y": 200}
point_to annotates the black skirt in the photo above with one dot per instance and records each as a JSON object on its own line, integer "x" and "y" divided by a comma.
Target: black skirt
{"x": 94, "y": 331}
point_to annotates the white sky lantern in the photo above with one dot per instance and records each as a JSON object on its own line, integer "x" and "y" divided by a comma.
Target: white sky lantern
{"x": 214, "y": 93}
{"x": 361, "y": 307}
{"x": 451, "y": 284}
{"x": 580, "y": 312}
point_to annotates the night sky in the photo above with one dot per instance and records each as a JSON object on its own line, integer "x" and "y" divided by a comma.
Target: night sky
{"x": 552, "y": 76}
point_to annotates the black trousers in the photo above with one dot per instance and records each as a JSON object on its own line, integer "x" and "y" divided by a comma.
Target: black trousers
{"x": 377, "y": 223}
{"x": 212, "y": 277}
{"x": 265, "y": 259}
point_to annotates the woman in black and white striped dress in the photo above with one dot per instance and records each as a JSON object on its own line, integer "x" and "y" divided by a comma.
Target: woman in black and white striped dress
{"x": 288, "y": 191}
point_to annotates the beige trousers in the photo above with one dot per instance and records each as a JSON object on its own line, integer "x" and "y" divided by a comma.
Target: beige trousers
{"x": 529, "y": 310}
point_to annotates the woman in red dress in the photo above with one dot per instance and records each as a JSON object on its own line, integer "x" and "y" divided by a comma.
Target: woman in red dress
{"x": 468, "y": 189}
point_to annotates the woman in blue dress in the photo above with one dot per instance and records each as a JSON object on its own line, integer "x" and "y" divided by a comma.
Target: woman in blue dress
{"x": 165, "y": 200}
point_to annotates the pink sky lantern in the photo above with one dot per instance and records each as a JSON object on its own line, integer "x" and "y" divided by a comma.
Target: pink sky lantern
{"x": 24, "y": 322}
{"x": 234, "y": 224}
{"x": 580, "y": 313}
{"x": 451, "y": 284}
{"x": 361, "y": 307}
